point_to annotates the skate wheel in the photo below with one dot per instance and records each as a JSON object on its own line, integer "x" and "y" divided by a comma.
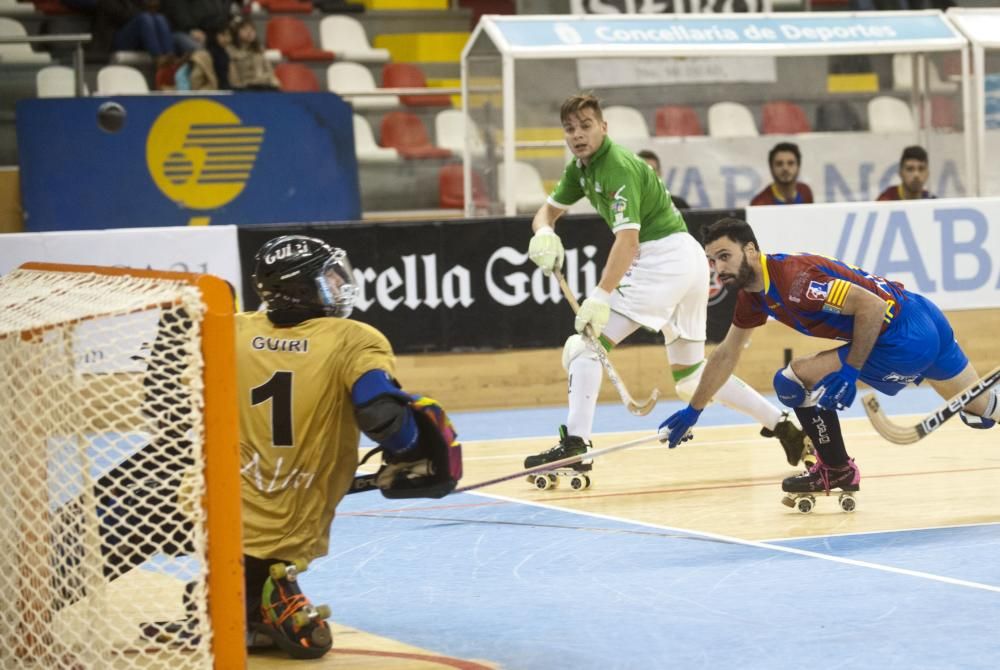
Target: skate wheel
{"x": 805, "y": 504}
{"x": 278, "y": 571}
{"x": 542, "y": 482}
{"x": 300, "y": 618}
{"x": 788, "y": 501}
{"x": 578, "y": 482}
{"x": 586, "y": 482}
{"x": 847, "y": 502}
{"x": 323, "y": 612}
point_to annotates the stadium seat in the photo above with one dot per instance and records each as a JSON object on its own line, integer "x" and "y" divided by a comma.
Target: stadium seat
{"x": 345, "y": 36}
{"x": 451, "y": 191}
{"x": 626, "y": 122}
{"x": 408, "y": 135}
{"x": 296, "y": 78}
{"x": 365, "y": 148}
{"x": 944, "y": 113}
{"x": 838, "y": 116}
{"x": 121, "y": 80}
{"x": 449, "y": 130}
{"x": 677, "y": 121}
{"x": 902, "y": 76}
{"x": 781, "y": 117}
{"x": 56, "y": 81}
{"x": 18, "y": 53}
{"x": 731, "y": 119}
{"x": 890, "y": 115}
{"x": 409, "y": 75}
{"x": 291, "y": 36}
{"x": 341, "y": 77}
{"x": 529, "y": 189}
{"x": 287, "y": 6}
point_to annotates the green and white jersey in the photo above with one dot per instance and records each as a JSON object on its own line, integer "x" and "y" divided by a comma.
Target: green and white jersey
{"x": 624, "y": 190}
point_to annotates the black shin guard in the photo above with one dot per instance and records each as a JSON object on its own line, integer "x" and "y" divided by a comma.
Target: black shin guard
{"x": 823, "y": 428}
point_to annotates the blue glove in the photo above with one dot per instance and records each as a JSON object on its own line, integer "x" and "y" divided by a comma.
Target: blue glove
{"x": 677, "y": 428}
{"x": 839, "y": 388}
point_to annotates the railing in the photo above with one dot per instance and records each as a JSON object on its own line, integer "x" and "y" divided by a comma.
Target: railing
{"x": 77, "y": 40}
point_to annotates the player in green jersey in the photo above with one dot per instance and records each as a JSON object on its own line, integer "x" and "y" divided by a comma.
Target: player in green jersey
{"x": 656, "y": 276}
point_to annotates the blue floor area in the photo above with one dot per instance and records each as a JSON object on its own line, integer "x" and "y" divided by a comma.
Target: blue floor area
{"x": 531, "y": 587}
{"x": 614, "y": 418}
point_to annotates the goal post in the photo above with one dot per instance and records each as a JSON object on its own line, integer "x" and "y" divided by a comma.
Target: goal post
{"x": 120, "y": 540}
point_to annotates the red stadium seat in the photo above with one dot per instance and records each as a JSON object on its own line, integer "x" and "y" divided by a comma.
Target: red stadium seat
{"x": 451, "y": 188}
{"x": 944, "y": 113}
{"x": 287, "y": 6}
{"x": 406, "y": 133}
{"x": 408, "y": 75}
{"x": 677, "y": 121}
{"x": 291, "y": 36}
{"x": 783, "y": 118}
{"x": 296, "y": 78}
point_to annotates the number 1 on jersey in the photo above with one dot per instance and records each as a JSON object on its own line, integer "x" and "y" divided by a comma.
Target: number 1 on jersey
{"x": 277, "y": 389}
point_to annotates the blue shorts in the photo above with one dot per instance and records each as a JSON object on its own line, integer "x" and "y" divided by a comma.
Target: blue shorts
{"x": 919, "y": 344}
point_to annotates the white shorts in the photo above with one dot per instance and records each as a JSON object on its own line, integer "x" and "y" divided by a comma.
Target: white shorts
{"x": 666, "y": 288}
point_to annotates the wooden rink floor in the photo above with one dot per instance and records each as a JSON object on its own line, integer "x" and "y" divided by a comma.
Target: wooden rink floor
{"x": 722, "y": 489}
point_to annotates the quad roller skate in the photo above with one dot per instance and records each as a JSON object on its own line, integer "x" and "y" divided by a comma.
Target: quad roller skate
{"x": 287, "y": 616}
{"x": 800, "y": 490}
{"x": 798, "y": 448}
{"x": 569, "y": 445}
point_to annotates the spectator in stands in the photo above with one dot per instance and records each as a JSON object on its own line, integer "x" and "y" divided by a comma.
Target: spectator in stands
{"x": 133, "y": 25}
{"x": 248, "y": 67}
{"x": 218, "y": 47}
{"x": 784, "y": 160}
{"x": 192, "y": 21}
{"x": 653, "y": 161}
{"x": 913, "y": 175}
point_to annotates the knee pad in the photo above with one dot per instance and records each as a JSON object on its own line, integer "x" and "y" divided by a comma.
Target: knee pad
{"x": 687, "y": 385}
{"x": 685, "y": 352}
{"x": 574, "y": 348}
{"x": 790, "y": 389}
{"x": 977, "y": 422}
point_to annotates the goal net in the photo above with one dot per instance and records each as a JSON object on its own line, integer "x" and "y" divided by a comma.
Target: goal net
{"x": 119, "y": 462}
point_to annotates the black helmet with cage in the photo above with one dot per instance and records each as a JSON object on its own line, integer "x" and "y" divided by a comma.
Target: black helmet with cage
{"x": 299, "y": 277}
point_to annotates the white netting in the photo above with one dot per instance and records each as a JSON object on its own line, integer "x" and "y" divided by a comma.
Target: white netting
{"x": 102, "y": 534}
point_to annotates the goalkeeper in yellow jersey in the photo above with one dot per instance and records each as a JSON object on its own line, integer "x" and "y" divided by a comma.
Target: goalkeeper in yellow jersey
{"x": 310, "y": 381}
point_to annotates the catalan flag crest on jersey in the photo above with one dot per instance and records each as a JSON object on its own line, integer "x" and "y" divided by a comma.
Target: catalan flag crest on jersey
{"x": 836, "y": 294}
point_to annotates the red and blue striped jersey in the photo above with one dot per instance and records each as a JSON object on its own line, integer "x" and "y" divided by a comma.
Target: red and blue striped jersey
{"x": 806, "y": 292}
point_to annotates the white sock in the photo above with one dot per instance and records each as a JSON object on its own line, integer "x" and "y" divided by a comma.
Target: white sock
{"x": 993, "y": 406}
{"x": 585, "y": 376}
{"x": 736, "y": 394}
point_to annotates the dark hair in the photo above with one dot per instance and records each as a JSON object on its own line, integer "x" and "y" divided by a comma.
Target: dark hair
{"x": 914, "y": 153}
{"x": 649, "y": 155}
{"x": 575, "y": 104}
{"x": 784, "y": 146}
{"x": 735, "y": 229}
{"x": 234, "y": 31}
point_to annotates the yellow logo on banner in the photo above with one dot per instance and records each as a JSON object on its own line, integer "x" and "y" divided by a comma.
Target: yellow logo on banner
{"x": 200, "y": 155}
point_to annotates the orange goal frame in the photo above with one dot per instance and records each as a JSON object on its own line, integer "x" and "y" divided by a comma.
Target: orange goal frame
{"x": 226, "y": 604}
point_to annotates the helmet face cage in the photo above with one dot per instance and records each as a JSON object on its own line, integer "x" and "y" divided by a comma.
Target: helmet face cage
{"x": 295, "y": 271}
{"x": 335, "y": 282}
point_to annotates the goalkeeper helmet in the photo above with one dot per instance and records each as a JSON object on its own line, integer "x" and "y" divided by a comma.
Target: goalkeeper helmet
{"x": 294, "y": 272}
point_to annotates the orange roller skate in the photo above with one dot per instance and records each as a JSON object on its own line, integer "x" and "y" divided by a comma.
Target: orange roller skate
{"x": 287, "y": 616}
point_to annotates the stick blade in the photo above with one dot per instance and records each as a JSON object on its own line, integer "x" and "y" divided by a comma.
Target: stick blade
{"x": 646, "y": 407}
{"x": 884, "y": 426}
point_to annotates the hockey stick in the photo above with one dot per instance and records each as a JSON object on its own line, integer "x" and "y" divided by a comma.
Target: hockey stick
{"x": 639, "y": 409}
{"x": 910, "y": 434}
{"x": 562, "y": 463}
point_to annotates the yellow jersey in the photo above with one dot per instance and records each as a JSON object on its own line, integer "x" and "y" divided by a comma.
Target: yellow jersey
{"x": 298, "y": 436}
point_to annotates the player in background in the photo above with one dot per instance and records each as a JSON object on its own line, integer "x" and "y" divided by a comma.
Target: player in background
{"x": 784, "y": 161}
{"x": 310, "y": 381}
{"x": 893, "y": 337}
{"x": 655, "y": 276}
{"x": 913, "y": 175}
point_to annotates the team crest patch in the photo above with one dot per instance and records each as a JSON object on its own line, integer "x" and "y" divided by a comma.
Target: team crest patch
{"x": 817, "y": 290}
{"x": 618, "y": 206}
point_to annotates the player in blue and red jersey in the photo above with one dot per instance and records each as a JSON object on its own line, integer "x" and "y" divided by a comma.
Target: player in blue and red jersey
{"x": 784, "y": 160}
{"x": 913, "y": 175}
{"x": 892, "y": 337}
